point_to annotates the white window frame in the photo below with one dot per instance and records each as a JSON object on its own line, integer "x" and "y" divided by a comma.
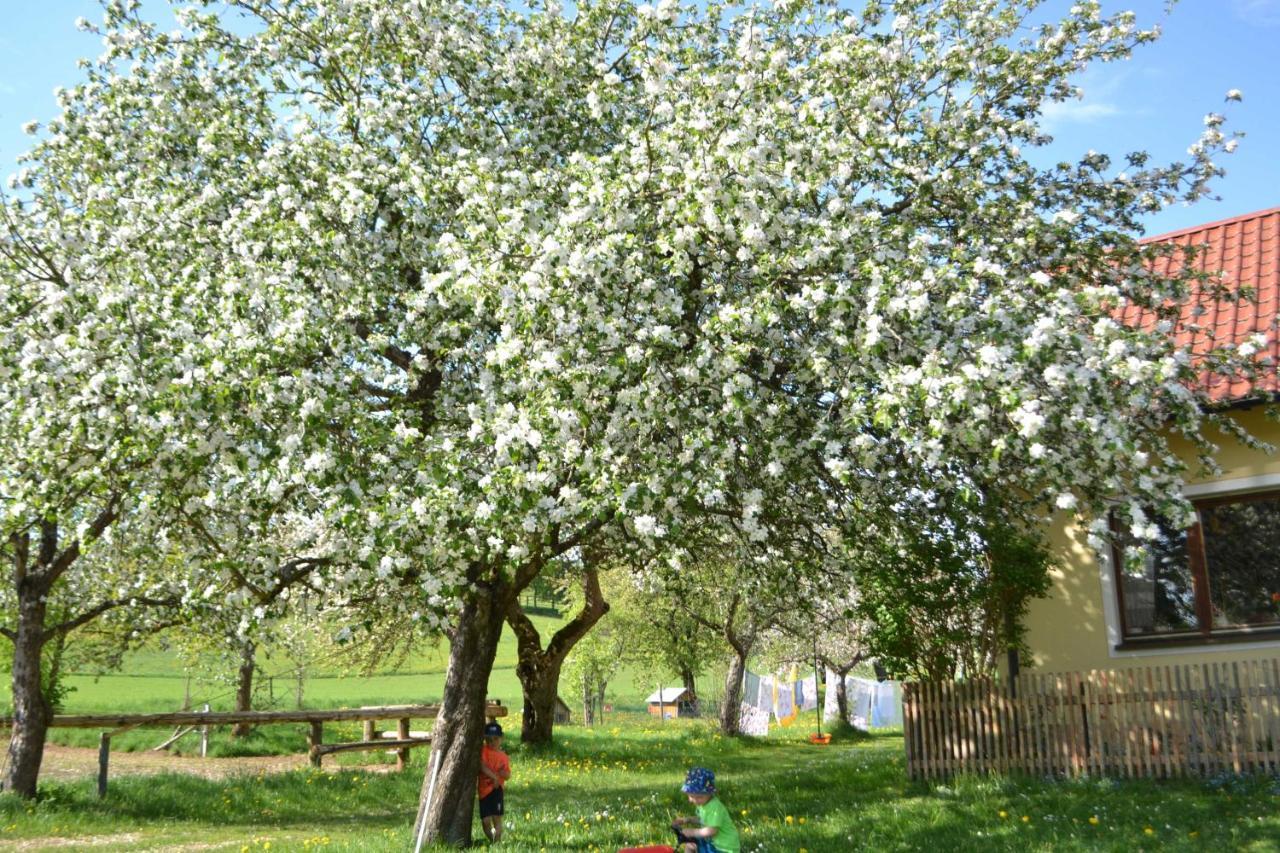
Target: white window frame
{"x": 1110, "y": 601}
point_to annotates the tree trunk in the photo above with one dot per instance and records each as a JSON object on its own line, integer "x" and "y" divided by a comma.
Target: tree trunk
{"x": 690, "y": 686}
{"x": 842, "y": 695}
{"x": 539, "y": 683}
{"x": 458, "y": 735}
{"x": 244, "y": 688}
{"x": 31, "y": 709}
{"x": 731, "y": 710}
{"x": 539, "y": 670}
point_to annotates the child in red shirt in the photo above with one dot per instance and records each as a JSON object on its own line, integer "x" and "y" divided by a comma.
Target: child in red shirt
{"x": 495, "y": 770}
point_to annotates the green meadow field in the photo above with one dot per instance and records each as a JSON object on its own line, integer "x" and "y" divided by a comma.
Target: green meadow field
{"x": 152, "y": 680}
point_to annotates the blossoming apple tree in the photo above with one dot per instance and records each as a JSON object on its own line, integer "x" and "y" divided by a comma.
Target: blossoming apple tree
{"x": 102, "y": 428}
{"x": 496, "y": 278}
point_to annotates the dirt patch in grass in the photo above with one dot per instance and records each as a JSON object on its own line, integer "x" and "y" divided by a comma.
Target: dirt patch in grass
{"x": 66, "y": 763}
{"x": 79, "y": 842}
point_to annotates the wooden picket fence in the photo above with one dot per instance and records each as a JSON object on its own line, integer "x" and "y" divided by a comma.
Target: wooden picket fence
{"x": 1158, "y": 721}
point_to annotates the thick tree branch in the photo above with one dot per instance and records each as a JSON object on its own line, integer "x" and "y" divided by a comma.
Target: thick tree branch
{"x": 71, "y": 553}
{"x": 594, "y": 607}
{"x": 101, "y": 608}
{"x": 21, "y": 544}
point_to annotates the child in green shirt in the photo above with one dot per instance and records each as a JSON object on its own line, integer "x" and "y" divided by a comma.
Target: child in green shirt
{"x": 712, "y": 831}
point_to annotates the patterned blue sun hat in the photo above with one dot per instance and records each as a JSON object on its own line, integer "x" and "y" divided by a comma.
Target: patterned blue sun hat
{"x": 699, "y": 781}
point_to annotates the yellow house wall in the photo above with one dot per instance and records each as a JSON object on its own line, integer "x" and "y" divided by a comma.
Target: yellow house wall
{"x": 1067, "y": 631}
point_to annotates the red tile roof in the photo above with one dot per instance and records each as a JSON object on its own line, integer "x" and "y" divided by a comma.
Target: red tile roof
{"x": 1246, "y": 249}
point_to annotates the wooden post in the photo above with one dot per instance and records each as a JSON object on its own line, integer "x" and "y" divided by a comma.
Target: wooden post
{"x": 314, "y": 738}
{"x": 402, "y": 732}
{"x": 104, "y": 753}
{"x": 368, "y": 732}
{"x": 204, "y": 736}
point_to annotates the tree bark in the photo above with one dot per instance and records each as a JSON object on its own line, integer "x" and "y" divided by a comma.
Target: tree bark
{"x": 31, "y": 709}
{"x": 688, "y": 682}
{"x": 539, "y": 670}
{"x": 244, "y": 687}
{"x": 842, "y": 697}
{"x": 33, "y": 584}
{"x": 841, "y": 671}
{"x": 454, "y": 762}
{"x": 731, "y": 710}
{"x": 588, "y": 704}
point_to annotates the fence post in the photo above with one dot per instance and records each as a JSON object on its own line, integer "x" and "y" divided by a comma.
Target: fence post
{"x": 104, "y": 754}
{"x": 402, "y": 754}
{"x": 315, "y": 737}
{"x": 204, "y": 735}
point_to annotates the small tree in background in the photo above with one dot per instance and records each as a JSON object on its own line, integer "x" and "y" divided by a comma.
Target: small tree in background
{"x": 539, "y": 668}
{"x": 827, "y": 631}
{"x": 594, "y": 662}
{"x": 945, "y": 590}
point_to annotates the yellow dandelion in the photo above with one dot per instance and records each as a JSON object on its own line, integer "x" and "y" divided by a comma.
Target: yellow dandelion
{"x": 802, "y": 821}
{"x": 1026, "y": 818}
{"x": 1093, "y": 820}
{"x": 790, "y": 820}
{"x": 1003, "y": 813}
{"x": 1148, "y": 831}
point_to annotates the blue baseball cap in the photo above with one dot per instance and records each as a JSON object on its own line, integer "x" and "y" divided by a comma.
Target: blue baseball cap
{"x": 493, "y": 730}
{"x": 699, "y": 781}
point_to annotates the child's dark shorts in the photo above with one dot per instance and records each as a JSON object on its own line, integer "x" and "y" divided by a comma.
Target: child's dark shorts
{"x": 491, "y": 805}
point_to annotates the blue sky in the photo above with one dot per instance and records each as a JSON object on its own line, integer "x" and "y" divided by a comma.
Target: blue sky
{"x": 1153, "y": 102}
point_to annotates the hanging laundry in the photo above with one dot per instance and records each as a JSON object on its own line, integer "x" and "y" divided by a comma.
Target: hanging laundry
{"x": 751, "y": 689}
{"x": 807, "y": 693}
{"x": 784, "y": 705}
{"x": 831, "y": 707}
{"x": 764, "y": 701}
{"x": 862, "y": 694}
{"x": 886, "y": 709}
{"x": 753, "y": 721}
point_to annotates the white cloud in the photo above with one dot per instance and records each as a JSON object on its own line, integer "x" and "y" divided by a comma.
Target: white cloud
{"x": 1103, "y": 97}
{"x": 1259, "y": 13}
{"x": 1077, "y": 112}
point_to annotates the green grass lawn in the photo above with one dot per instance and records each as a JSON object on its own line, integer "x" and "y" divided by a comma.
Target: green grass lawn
{"x": 614, "y": 786}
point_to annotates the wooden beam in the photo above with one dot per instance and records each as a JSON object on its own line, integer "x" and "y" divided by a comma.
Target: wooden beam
{"x": 218, "y": 718}
{"x": 370, "y": 745}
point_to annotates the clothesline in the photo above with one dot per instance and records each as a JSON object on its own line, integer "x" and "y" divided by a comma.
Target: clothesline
{"x": 872, "y": 704}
